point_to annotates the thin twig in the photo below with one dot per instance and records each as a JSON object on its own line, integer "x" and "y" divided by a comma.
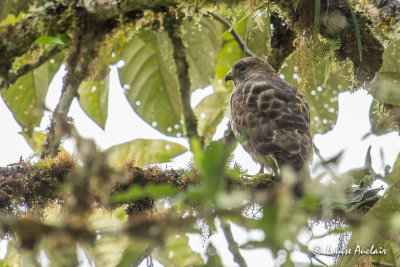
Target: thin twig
{"x": 234, "y": 34}
{"x": 324, "y": 162}
{"x": 232, "y": 245}
{"x": 320, "y": 261}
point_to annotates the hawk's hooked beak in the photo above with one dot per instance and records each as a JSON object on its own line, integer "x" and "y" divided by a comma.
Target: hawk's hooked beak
{"x": 228, "y": 76}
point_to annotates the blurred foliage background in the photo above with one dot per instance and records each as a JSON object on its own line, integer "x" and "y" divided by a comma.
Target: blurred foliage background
{"x": 116, "y": 207}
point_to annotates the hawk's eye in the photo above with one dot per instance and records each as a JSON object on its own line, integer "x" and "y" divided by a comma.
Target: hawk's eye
{"x": 242, "y": 67}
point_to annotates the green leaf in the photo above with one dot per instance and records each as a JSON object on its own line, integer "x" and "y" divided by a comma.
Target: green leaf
{"x": 210, "y": 112}
{"x": 211, "y": 163}
{"x": 214, "y": 106}
{"x": 378, "y": 225}
{"x": 35, "y": 140}
{"x": 240, "y": 21}
{"x": 202, "y": 48}
{"x": 93, "y": 98}
{"x": 48, "y": 40}
{"x": 26, "y": 97}
{"x": 106, "y": 250}
{"x": 136, "y": 192}
{"x": 13, "y": 256}
{"x": 177, "y": 252}
{"x": 386, "y": 85}
{"x": 64, "y": 39}
{"x": 60, "y": 40}
{"x": 93, "y": 92}
{"x": 144, "y": 151}
{"x": 150, "y": 75}
{"x": 229, "y": 54}
{"x": 254, "y": 32}
{"x": 132, "y": 255}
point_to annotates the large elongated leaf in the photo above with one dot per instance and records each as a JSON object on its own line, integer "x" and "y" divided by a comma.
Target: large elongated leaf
{"x": 93, "y": 98}
{"x": 210, "y": 112}
{"x": 26, "y": 97}
{"x": 144, "y": 151}
{"x": 107, "y": 249}
{"x": 94, "y": 91}
{"x": 136, "y": 192}
{"x": 211, "y": 109}
{"x": 177, "y": 252}
{"x": 35, "y": 140}
{"x": 149, "y": 77}
{"x": 202, "y": 45}
{"x": 386, "y": 85}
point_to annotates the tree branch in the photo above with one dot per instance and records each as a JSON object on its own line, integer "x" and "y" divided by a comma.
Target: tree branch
{"x": 172, "y": 23}
{"x": 234, "y": 34}
{"x": 232, "y": 245}
{"x": 339, "y": 21}
{"x": 12, "y": 78}
{"x": 80, "y": 60}
{"x": 17, "y": 39}
{"x": 54, "y": 17}
{"x": 281, "y": 42}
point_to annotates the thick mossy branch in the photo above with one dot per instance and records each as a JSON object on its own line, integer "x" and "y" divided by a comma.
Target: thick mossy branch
{"x": 55, "y": 17}
{"x": 16, "y": 39}
{"x": 13, "y": 77}
{"x": 336, "y": 22}
{"x": 39, "y": 185}
{"x": 387, "y": 13}
{"x": 30, "y": 184}
{"x": 33, "y": 185}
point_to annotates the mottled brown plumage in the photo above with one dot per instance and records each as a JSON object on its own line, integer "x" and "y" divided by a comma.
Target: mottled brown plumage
{"x": 270, "y": 117}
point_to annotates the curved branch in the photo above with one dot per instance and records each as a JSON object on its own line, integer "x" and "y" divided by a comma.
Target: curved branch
{"x": 12, "y": 78}
{"x": 234, "y": 34}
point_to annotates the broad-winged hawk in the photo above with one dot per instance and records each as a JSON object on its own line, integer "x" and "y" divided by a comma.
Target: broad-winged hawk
{"x": 269, "y": 116}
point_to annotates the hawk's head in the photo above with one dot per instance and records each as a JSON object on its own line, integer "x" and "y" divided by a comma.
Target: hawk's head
{"x": 247, "y": 68}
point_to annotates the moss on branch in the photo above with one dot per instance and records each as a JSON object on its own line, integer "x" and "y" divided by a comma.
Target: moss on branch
{"x": 336, "y": 22}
